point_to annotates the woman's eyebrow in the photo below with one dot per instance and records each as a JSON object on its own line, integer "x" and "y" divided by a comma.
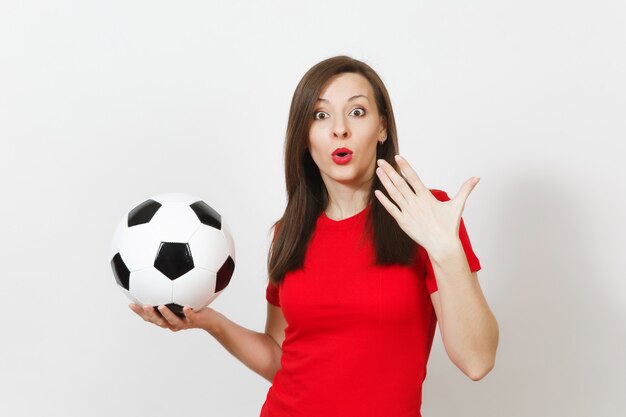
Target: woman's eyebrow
{"x": 350, "y": 99}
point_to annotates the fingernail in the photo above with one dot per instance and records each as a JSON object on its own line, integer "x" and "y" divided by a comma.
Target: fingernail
{"x": 398, "y": 157}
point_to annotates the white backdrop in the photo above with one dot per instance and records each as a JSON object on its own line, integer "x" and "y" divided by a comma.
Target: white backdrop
{"x": 103, "y": 104}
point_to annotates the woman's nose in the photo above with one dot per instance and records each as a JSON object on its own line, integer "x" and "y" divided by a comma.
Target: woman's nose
{"x": 340, "y": 129}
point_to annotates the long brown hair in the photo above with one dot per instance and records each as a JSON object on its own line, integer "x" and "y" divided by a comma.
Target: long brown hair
{"x": 307, "y": 196}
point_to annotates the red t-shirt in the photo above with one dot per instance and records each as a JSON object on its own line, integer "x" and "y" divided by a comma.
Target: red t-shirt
{"x": 358, "y": 335}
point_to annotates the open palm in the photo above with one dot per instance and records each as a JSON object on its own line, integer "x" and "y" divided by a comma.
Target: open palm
{"x": 433, "y": 224}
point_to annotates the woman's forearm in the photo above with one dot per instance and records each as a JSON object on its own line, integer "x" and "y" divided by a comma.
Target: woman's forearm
{"x": 468, "y": 327}
{"x": 258, "y": 351}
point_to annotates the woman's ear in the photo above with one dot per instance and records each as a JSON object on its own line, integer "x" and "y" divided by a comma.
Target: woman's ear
{"x": 383, "y": 126}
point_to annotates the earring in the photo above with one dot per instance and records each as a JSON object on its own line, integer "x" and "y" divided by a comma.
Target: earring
{"x": 382, "y": 140}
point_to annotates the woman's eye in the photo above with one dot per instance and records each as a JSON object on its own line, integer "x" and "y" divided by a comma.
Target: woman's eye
{"x": 320, "y": 115}
{"x": 358, "y": 112}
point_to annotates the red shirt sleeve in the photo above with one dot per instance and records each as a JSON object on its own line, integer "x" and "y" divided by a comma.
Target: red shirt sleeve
{"x": 472, "y": 260}
{"x": 271, "y": 292}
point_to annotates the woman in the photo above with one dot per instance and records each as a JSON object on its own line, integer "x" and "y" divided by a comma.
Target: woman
{"x": 363, "y": 264}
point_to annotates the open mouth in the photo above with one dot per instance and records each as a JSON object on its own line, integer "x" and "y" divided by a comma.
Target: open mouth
{"x": 342, "y": 158}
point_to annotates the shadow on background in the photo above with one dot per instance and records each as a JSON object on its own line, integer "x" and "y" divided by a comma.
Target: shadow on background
{"x": 561, "y": 337}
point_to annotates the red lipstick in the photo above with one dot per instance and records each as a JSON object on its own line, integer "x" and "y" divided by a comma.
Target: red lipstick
{"x": 342, "y": 156}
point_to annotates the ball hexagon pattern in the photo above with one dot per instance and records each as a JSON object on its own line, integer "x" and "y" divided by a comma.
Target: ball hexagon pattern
{"x": 172, "y": 249}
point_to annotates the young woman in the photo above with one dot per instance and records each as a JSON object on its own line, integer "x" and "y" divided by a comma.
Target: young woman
{"x": 364, "y": 263}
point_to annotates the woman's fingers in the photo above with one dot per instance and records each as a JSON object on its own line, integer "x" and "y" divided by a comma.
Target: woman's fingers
{"x": 140, "y": 311}
{"x": 135, "y": 308}
{"x": 189, "y": 313}
{"x": 460, "y": 198}
{"x": 400, "y": 188}
{"x": 151, "y": 316}
{"x": 148, "y": 314}
{"x": 391, "y": 181}
{"x": 411, "y": 176}
{"x": 173, "y": 320}
{"x": 164, "y": 317}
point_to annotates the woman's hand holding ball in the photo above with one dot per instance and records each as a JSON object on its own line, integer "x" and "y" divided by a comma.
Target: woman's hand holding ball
{"x": 200, "y": 319}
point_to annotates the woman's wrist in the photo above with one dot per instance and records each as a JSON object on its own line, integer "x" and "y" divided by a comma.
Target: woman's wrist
{"x": 445, "y": 250}
{"x": 211, "y": 321}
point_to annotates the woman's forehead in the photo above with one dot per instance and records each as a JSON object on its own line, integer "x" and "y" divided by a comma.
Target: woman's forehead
{"x": 344, "y": 86}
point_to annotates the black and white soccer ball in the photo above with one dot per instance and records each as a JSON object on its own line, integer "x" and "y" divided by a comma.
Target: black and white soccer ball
{"x": 173, "y": 249}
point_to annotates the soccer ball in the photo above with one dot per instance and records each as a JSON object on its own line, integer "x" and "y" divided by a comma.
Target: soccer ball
{"x": 172, "y": 249}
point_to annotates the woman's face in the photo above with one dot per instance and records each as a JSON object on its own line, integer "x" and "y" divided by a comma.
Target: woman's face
{"x": 346, "y": 116}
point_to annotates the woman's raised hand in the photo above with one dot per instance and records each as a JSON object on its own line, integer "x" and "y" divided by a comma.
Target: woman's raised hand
{"x": 200, "y": 319}
{"x": 433, "y": 224}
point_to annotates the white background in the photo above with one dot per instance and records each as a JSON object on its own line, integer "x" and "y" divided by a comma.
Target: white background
{"x": 103, "y": 104}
